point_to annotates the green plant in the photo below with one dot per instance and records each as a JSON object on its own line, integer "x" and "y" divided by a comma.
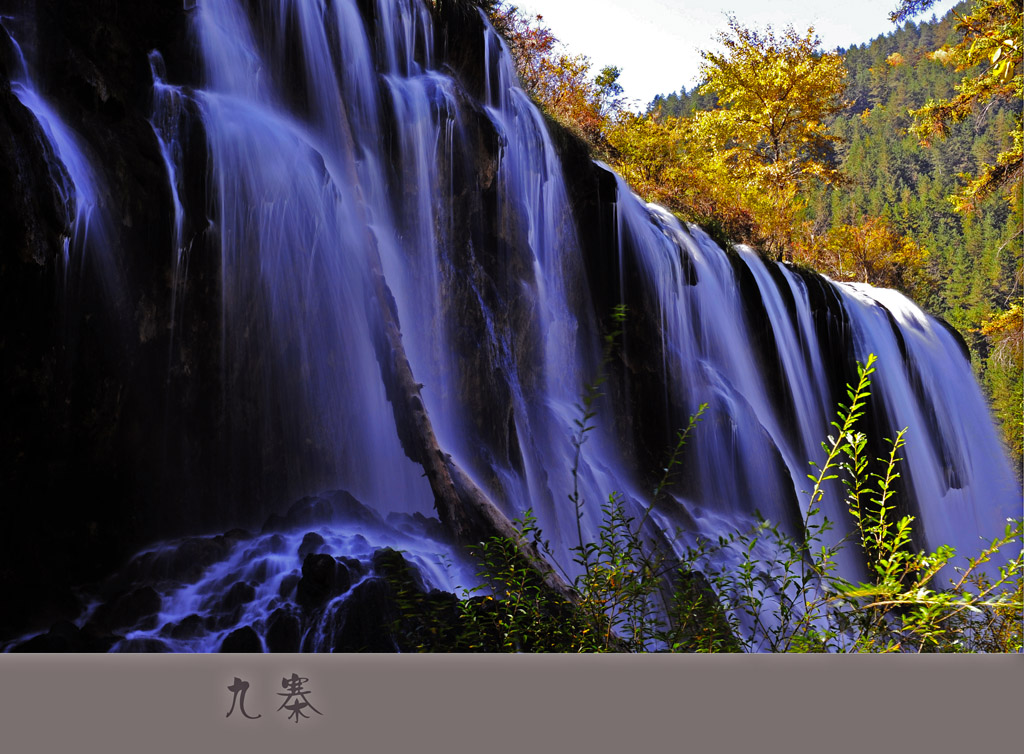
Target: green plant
{"x": 792, "y": 599}
{"x": 512, "y": 610}
{"x": 783, "y": 595}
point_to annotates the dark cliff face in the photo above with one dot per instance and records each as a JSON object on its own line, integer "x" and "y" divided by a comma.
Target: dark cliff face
{"x": 115, "y": 433}
{"x": 73, "y": 402}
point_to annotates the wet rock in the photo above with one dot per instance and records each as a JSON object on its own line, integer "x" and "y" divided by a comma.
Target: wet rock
{"x": 367, "y": 619}
{"x": 136, "y": 610}
{"x": 190, "y": 559}
{"x": 189, "y": 627}
{"x": 288, "y": 584}
{"x": 243, "y": 639}
{"x": 258, "y": 572}
{"x": 323, "y": 577}
{"x": 143, "y": 645}
{"x": 284, "y": 631}
{"x": 94, "y": 641}
{"x": 239, "y": 594}
{"x": 273, "y": 544}
{"x": 174, "y": 564}
{"x": 311, "y": 543}
{"x": 392, "y": 611}
{"x": 355, "y": 568}
{"x": 33, "y": 214}
{"x": 317, "y": 582}
{"x": 331, "y": 507}
{"x": 396, "y": 570}
{"x": 226, "y": 609}
{"x": 463, "y": 23}
{"x": 418, "y": 525}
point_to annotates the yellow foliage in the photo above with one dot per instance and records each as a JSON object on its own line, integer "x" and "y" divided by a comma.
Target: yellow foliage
{"x": 559, "y": 82}
{"x": 775, "y": 93}
{"x": 872, "y": 252}
{"x": 1006, "y": 332}
{"x": 663, "y": 162}
{"x": 989, "y": 52}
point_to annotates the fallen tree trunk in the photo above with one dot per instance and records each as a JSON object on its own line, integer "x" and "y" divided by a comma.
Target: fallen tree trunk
{"x": 465, "y": 511}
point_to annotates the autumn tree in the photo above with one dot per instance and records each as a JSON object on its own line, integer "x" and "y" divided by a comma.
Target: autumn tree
{"x": 661, "y": 161}
{"x": 561, "y": 83}
{"x": 1004, "y": 377}
{"x": 870, "y": 252}
{"x": 647, "y": 154}
{"x": 774, "y": 96}
{"x": 989, "y": 52}
{"x": 530, "y": 42}
{"x": 741, "y": 164}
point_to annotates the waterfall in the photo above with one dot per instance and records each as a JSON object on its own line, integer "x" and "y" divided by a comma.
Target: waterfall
{"x": 89, "y": 240}
{"x": 337, "y": 135}
{"x": 756, "y": 457}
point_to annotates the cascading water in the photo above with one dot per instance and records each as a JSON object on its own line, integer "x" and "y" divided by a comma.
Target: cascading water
{"x": 533, "y": 196}
{"x": 293, "y": 237}
{"x": 339, "y": 143}
{"x": 755, "y": 457}
{"x": 168, "y": 104}
{"x": 955, "y": 466}
{"x": 89, "y": 240}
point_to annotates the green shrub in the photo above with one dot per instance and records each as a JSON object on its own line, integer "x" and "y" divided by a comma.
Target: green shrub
{"x": 632, "y": 595}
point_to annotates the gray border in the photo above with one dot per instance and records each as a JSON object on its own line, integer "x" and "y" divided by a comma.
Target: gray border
{"x": 525, "y": 703}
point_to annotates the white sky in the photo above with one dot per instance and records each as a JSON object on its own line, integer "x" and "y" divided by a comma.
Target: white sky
{"x": 656, "y": 43}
